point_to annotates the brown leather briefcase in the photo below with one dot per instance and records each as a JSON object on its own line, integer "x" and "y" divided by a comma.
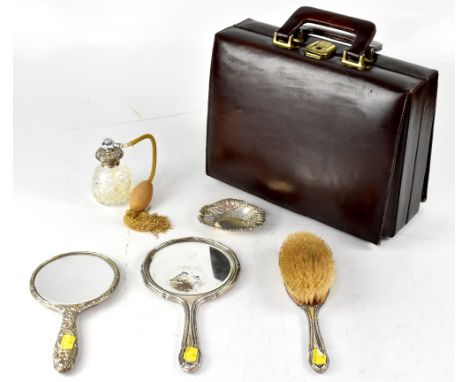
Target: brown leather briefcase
{"x": 310, "y": 117}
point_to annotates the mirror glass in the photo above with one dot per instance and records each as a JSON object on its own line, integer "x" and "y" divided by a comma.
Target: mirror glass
{"x": 190, "y": 268}
{"x": 74, "y": 279}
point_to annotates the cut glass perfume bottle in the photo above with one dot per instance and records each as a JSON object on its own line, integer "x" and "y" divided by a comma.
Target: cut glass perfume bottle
{"x": 112, "y": 179}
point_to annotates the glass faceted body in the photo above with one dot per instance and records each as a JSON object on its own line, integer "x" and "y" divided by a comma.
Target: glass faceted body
{"x": 112, "y": 185}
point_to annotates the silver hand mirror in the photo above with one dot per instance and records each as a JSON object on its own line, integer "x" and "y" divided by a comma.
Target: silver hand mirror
{"x": 190, "y": 271}
{"x": 71, "y": 283}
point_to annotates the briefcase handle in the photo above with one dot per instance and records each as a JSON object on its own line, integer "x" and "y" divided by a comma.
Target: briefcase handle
{"x": 364, "y": 31}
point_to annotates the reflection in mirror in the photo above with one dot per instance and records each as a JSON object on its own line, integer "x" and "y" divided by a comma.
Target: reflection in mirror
{"x": 74, "y": 279}
{"x": 190, "y": 268}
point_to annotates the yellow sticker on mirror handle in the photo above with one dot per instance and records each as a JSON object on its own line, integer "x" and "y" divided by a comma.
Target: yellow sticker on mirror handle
{"x": 190, "y": 354}
{"x": 67, "y": 342}
{"x": 189, "y": 358}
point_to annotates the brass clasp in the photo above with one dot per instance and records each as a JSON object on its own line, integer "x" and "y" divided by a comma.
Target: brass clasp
{"x": 320, "y": 50}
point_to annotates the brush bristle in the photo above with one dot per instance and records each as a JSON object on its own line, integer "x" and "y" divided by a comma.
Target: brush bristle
{"x": 307, "y": 267}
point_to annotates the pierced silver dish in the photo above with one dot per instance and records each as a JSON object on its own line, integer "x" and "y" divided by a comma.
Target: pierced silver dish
{"x": 232, "y": 215}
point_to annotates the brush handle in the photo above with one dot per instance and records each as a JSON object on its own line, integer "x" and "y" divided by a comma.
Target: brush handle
{"x": 318, "y": 357}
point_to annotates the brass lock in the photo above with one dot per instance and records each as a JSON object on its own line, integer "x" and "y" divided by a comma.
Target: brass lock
{"x": 320, "y": 50}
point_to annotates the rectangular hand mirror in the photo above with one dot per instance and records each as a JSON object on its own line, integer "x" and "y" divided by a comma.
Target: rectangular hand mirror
{"x": 190, "y": 271}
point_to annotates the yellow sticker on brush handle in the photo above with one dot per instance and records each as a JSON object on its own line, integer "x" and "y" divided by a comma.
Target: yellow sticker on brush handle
{"x": 67, "y": 342}
{"x": 318, "y": 358}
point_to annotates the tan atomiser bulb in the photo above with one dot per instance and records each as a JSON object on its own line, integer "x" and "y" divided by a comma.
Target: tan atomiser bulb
{"x": 113, "y": 185}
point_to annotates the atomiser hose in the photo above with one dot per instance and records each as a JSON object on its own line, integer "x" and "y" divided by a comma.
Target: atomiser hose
{"x": 153, "y": 144}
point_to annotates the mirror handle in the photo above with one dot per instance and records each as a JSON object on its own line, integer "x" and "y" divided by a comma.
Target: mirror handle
{"x": 66, "y": 345}
{"x": 189, "y": 355}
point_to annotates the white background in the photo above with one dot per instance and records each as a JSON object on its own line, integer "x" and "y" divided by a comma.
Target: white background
{"x": 86, "y": 70}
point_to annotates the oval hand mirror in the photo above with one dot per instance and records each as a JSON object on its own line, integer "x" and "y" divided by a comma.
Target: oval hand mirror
{"x": 190, "y": 271}
{"x": 70, "y": 283}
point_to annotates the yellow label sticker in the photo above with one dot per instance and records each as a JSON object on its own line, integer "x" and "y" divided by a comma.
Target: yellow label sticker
{"x": 190, "y": 354}
{"x": 318, "y": 358}
{"x": 67, "y": 342}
